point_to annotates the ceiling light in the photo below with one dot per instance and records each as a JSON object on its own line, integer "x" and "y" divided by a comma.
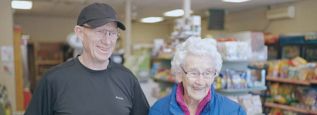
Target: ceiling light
{"x": 235, "y": 1}
{"x": 174, "y": 13}
{"x": 20, "y": 4}
{"x": 151, "y": 19}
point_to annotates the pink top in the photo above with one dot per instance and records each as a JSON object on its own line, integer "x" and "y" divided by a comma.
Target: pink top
{"x": 181, "y": 102}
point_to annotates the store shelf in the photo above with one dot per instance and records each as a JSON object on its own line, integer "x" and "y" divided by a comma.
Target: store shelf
{"x": 242, "y": 61}
{"x": 164, "y": 80}
{"x": 236, "y": 61}
{"x": 289, "y": 108}
{"x": 49, "y": 62}
{"x": 313, "y": 112}
{"x": 313, "y": 82}
{"x": 290, "y": 81}
{"x": 241, "y": 91}
{"x": 162, "y": 58}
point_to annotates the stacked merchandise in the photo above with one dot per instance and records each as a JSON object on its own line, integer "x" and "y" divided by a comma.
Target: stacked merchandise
{"x": 243, "y": 46}
{"x": 251, "y": 78}
{"x": 242, "y": 71}
{"x": 5, "y": 105}
{"x": 234, "y": 50}
{"x": 291, "y": 46}
{"x": 291, "y": 87}
{"x": 162, "y": 72}
{"x": 161, "y": 58}
{"x": 271, "y": 41}
{"x": 251, "y": 103}
{"x": 162, "y": 53}
{"x": 139, "y": 64}
{"x": 236, "y": 85}
{"x": 238, "y": 51}
{"x": 139, "y": 61}
{"x": 185, "y": 28}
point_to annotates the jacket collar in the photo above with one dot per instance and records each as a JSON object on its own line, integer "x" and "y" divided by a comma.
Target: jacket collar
{"x": 176, "y": 109}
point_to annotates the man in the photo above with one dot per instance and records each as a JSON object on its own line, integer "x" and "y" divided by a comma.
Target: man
{"x": 91, "y": 84}
{"x": 196, "y": 63}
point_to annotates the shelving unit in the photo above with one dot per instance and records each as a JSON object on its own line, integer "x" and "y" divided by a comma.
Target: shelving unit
{"x": 240, "y": 65}
{"x": 313, "y": 82}
{"x": 164, "y": 80}
{"x": 236, "y": 65}
{"x": 48, "y": 62}
{"x": 298, "y": 94}
{"x": 250, "y": 94}
{"x": 290, "y": 81}
{"x": 289, "y": 108}
{"x": 240, "y": 91}
{"x": 47, "y": 55}
{"x": 161, "y": 67}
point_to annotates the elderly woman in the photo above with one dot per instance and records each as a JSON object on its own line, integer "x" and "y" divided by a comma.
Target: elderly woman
{"x": 196, "y": 63}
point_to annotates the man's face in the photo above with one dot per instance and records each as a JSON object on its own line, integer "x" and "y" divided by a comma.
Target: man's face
{"x": 198, "y": 76}
{"x": 100, "y": 42}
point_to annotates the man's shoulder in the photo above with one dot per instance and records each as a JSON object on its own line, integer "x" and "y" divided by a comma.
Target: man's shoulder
{"x": 60, "y": 70}
{"x": 120, "y": 70}
{"x": 119, "y": 67}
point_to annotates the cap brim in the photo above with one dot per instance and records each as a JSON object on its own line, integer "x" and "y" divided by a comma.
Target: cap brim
{"x": 100, "y": 22}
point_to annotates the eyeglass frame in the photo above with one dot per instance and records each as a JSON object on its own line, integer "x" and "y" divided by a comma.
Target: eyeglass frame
{"x": 213, "y": 74}
{"x": 105, "y": 33}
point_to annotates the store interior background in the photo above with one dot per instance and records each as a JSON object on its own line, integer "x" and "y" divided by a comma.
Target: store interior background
{"x": 42, "y": 25}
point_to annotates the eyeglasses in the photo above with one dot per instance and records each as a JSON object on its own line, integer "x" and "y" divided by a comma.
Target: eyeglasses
{"x": 196, "y": 74}
{"x": 104, "y": 33}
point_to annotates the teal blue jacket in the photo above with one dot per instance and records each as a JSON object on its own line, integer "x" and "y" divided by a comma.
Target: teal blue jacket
{"x": 218, "y": 105}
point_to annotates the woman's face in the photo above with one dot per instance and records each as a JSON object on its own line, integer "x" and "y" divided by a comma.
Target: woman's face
{"x": 198, "y": 75}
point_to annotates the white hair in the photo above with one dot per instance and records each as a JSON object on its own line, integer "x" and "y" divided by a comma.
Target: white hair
{"x": 196, "y": 46}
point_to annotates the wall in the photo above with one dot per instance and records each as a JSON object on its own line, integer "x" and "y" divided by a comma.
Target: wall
{"x": 255, "y": 19}
{"x": 145, "y": 33}
{"x": 52, "y": 29}
{"x": 304, "y": 21}
{"x": 57, "y": 28}
{"x": 6, "y": 39}
{"x": 45, "y": 29}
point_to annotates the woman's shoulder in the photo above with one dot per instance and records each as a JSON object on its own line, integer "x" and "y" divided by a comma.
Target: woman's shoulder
{"x": 161, "y": 103}
{"x": 161, "y": 106}
{"x": 224, "y": 100}
{"x": 227, "y": 104}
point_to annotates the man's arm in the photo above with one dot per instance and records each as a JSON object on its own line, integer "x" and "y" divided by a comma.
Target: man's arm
{"x": 140, "y": 104}
{"x": 41, "y": 103}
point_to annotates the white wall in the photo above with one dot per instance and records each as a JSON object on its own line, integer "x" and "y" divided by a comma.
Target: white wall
{"x": 255, "y": 20}
{"x": 145, "y": 33}
{"x": 47, "y": 29}
{"x": 6, "y": 39}
{"x": 56, "y": 29}
{"x": 304, "y": 21}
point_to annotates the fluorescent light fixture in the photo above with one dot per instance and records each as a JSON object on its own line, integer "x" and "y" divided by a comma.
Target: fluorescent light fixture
{"x": 151, "y": 19}
{"x": 235, "y": 1}
{"x": 21, "y": 4}
{"x": 174, "y": 13}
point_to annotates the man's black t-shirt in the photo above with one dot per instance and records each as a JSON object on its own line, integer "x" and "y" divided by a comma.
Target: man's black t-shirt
{"x": 73, "y": 89}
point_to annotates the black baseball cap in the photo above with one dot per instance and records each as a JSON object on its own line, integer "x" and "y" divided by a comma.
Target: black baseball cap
{"x": 98, "y": 14}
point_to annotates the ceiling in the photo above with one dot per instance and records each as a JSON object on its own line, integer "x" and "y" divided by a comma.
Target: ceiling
{"x": 140, "y": 8}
